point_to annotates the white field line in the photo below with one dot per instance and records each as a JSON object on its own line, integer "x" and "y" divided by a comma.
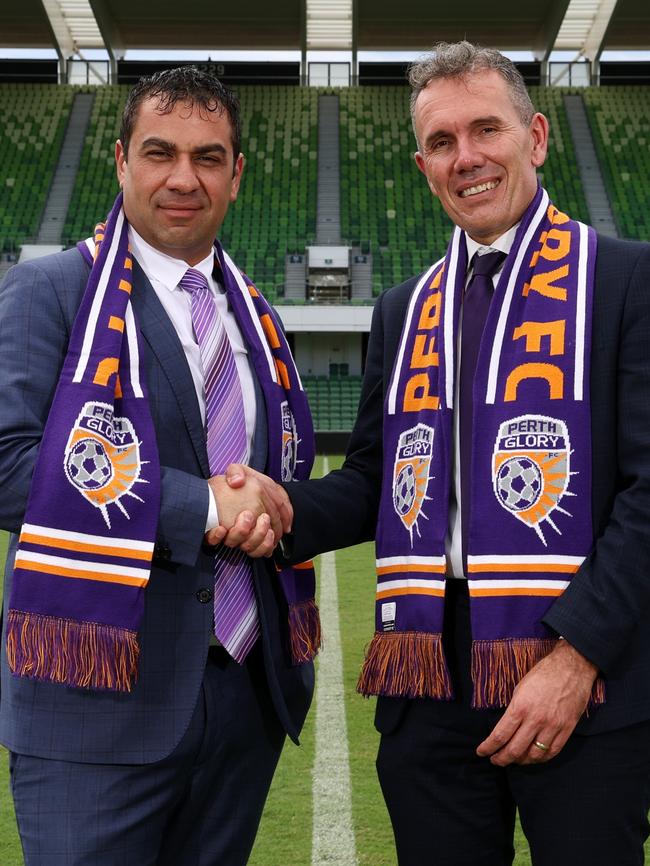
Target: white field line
{"x": 332, "y": 834}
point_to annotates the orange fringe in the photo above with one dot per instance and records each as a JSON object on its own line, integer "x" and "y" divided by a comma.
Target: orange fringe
{"x": 87, "y": 655}
{"x": 498, "y": 665}
{"x": 405, "y": 664}
{"x": 304, "y": 631}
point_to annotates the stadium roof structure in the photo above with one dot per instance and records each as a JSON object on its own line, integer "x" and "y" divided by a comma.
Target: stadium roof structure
{"x": 72, "y": 26}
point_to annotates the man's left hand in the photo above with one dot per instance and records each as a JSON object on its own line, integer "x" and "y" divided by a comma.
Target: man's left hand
{"x": 545, "y": 708}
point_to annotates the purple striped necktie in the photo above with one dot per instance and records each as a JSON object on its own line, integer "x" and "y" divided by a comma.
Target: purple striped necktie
{"x": 236, "y": 623}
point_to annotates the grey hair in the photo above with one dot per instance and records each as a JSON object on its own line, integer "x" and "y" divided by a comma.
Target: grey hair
{"x": 460, "y": 59}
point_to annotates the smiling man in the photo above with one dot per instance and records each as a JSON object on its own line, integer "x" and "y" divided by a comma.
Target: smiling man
{"x": 500, "y": 459}
{"x": 149, "y": 680}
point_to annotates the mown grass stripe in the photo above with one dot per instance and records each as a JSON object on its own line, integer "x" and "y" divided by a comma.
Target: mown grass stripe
{"x": 333, "y": 835}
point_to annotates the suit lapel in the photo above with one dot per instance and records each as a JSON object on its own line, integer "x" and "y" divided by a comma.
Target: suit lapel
{"x": 160, "y": 335}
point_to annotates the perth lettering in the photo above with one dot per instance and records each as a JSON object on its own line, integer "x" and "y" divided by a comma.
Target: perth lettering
{"x": 420, "y": 391}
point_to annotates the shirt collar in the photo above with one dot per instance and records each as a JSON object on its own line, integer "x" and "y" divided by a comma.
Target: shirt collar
{"x": 162, "y": 268}
{"x": 502, "y": 244}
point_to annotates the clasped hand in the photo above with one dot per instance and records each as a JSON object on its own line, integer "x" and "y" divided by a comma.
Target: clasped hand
{"x": 254, "y": 511}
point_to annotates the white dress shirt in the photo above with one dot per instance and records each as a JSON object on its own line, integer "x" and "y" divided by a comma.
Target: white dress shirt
{"x": 164, "y": 273}
{"x": 453, "y": 540}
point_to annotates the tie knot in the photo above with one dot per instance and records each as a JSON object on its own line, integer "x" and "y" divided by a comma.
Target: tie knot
{"x": 487, "y": 265}
{"x": 192, "y": 281}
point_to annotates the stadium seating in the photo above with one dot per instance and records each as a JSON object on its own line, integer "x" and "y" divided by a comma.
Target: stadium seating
{"x": 620, "y": 120}
{"x": 96, "y": 184}
{"x": 276, "y": 208}
{"x": 34, "y": 118}
{"x": 275, "y": 212}
{"x": 385, "y": 201}
{"x": 560, "y": 174}
{"x": 333, "y": 401}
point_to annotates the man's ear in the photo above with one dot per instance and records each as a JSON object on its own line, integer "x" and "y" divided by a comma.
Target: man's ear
{"x": 236, "y": 176}
{"x": 419, "y": 161}
{"x": 120, "y": 162}
{"x": 539, "y": 135}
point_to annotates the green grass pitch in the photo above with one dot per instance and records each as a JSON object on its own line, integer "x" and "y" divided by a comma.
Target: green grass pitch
{"x": 284, "y": 838}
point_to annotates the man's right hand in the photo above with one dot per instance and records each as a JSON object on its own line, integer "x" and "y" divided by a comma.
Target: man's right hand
{"x": 254, "y": 511}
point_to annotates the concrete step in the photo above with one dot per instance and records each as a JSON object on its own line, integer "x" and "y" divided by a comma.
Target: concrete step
{"x": 600, "y": 211}
{"x": 60, "y": 194}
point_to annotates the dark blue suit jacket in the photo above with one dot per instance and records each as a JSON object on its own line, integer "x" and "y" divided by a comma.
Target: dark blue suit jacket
{"x": 605, "y": 612}
{"x": 38, "y": 304}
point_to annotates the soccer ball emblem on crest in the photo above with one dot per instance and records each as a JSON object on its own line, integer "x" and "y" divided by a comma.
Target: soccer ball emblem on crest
{"x": 88, "y": 465}
{"x": 519, "y": 483}
{"x": 411, "y": 475}
{"x": 404, "y": 490}
{"x": 531, "y": 469}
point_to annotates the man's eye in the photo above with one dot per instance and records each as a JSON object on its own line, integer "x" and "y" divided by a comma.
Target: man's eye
{"x": 209, "y": 160}
{"x": 157, "y": 154}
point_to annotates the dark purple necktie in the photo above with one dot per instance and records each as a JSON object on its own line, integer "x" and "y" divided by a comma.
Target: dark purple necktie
{"x": 476, "y": 304}
{"x": 236, "y": 623}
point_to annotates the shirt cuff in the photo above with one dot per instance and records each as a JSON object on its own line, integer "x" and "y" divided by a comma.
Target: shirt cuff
{"x": 212, "y": 519}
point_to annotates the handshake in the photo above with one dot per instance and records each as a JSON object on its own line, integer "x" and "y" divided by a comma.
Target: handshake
{"x": 254, "y": 511}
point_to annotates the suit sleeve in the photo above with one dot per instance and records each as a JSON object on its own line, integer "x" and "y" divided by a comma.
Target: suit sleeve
{"x": 35, "y": 324}
{"x": 609, "y": 597}
{"x": 341, "y": 509}
{"x": 34, "y": 334}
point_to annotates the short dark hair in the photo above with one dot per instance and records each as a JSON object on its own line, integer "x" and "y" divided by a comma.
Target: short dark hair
{"x": 182, "y": 84}
{"x": 460, "y": 59}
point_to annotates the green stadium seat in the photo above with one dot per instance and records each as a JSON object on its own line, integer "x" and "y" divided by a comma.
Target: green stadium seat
{"x": 620, "y": 121}
{"x": 276, "y": 207}
{"x": 34, "y": 122}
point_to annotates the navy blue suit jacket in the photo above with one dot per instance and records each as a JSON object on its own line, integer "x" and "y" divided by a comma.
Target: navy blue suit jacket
{"x": 605, "y": 612}
{"x": 38, "y": 304}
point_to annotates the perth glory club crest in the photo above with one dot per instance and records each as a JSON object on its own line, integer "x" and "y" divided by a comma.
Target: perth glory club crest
{"x": 531, "y": 469}
{"x": 411, "y": 475}
{"x": 102, "y": 458}
{"x": 289, "y": 443}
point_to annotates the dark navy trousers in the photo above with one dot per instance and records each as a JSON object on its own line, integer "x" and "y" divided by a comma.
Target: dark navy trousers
{"x": 200, "y": 806}
{"x": 448, "y": 807}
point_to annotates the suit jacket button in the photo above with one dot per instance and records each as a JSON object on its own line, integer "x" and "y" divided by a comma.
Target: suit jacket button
{"x": 204, "y": 595}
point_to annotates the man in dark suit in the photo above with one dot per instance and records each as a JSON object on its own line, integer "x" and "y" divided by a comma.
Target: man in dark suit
{"x": 176, "y": 771}
{"x": 453, "y": 775}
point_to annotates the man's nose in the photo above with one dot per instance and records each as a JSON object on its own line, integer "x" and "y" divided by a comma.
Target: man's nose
{"x": 468, "y": 155}
{"x": 182, "y": 176}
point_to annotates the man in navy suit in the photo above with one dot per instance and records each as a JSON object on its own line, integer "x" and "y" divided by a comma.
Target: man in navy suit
{"x": 452, "y": 775}
{"x": 176, "y": 771}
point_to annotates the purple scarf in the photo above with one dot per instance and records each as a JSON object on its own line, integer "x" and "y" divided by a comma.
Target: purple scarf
{"x": 84, "y": 553}
{"x": 530, "y": 523}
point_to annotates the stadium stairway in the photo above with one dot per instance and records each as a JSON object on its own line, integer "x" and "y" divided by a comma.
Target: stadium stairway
{"x": 593, "y": 182}
{"x": 361, "y": 273}
{"x": 328, "y": 209}
{"x": 60, "y": 194}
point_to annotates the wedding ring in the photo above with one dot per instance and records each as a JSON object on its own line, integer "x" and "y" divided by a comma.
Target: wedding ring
{"x": 540, "y": 746}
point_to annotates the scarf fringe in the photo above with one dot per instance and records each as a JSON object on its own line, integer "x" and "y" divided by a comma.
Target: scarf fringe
{"x": 405, "y": 664}
{"x": 498, "y": 665}
{"x": 87, "y": 655}
{"x": 304, "y": 631}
